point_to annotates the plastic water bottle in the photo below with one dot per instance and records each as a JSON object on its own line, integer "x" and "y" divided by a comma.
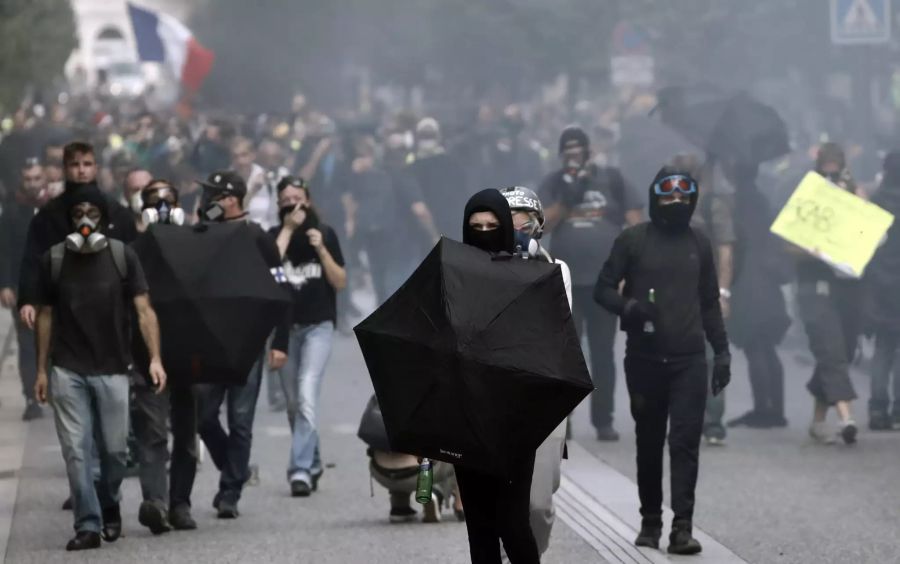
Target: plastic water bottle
{"x": 648, "y": 325}
{"x": 425, "y": 482}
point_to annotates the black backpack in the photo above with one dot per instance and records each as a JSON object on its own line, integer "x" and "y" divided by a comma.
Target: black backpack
{"x": 116, "y": 247}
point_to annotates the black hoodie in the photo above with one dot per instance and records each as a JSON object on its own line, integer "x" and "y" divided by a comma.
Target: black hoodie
{"x": 52, "y": 224}
{"x": 677, "y": 263}
{"x": 500, "y": 240}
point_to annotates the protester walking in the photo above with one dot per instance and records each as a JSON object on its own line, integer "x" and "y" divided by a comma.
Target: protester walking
{"x": 669, "y": 303}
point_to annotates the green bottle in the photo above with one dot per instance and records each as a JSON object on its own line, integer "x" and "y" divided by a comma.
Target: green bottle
{"x": 424, "y": 482}
{"x": 648, "y": 325}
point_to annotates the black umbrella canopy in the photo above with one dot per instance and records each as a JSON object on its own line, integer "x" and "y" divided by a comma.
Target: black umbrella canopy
{"x": 215, "y": 297}
{"x": 475, "y": 360}
{"x": 645, "y": 146}
{"x": 727, "y": 124}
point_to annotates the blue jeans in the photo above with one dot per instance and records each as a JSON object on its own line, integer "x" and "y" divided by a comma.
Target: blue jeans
{"x": 301, "y": 379}
{"x": 230, "y": 451}
{"x": 88, "y": 407}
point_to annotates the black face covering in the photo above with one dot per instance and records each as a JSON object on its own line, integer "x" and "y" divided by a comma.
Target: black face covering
{"x": 500, "y": 239}
{"x": 674, "y": 216}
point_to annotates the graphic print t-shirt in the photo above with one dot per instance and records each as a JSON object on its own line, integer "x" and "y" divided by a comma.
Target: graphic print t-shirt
{"x": 314, "y": 298}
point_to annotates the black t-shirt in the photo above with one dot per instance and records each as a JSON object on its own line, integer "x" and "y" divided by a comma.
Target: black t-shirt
{"x": 92, "y": 307}
{"x": 314, "y": 298}
{"x": 595, "y": 213}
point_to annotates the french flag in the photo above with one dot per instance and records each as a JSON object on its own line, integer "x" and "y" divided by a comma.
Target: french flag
{"x": 163, "y": 39}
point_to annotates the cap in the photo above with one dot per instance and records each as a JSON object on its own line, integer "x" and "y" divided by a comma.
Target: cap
{"x": 573, "y": 136}
{"x": 294, "y": 181}
{"x": 225, "y": 181}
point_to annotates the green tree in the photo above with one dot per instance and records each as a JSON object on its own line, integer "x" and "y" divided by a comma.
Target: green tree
{"x": 36, "y": 39}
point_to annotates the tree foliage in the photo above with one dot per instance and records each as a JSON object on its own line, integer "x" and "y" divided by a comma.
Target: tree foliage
{"x": 36, "y": 39}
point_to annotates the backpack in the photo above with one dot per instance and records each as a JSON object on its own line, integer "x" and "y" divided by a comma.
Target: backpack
{"x": 116, "y": 247}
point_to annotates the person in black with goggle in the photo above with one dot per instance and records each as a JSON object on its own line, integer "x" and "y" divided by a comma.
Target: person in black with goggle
{"x": 669, "y": 304}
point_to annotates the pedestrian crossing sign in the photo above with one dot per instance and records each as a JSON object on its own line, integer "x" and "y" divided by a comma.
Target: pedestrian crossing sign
{"x": 860, "y": 21}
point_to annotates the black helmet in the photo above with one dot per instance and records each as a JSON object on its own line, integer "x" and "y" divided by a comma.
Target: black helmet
{"x": 524, "y": 199}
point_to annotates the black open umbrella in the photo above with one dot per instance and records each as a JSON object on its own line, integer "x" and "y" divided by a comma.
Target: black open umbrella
{"x": 645, "y": 145}
{"x": 215, "y": 297}
{"x": 474, "y": 360}
{"x": 726, "y": 124}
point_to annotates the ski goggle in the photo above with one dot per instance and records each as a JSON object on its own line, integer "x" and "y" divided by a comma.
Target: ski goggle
{"x": 666, "y": 186}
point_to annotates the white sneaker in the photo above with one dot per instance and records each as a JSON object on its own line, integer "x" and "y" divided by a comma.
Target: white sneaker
{"x": 431, "y": 511}
{"x": 818, "y": 432}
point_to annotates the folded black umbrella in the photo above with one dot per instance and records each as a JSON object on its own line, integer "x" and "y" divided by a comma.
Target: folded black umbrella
{"x": 726, "y": 124}
{"x": 475, "y": 360}
{"x": 215, "y": 297}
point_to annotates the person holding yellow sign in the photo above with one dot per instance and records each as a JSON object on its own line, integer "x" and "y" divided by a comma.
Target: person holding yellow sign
{"x": 828, "y": 301}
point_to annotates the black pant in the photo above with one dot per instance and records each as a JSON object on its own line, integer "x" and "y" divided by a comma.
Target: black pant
{"x": 27, "y": 357}
{"x": 497, "y": 509}
{"x": 766, "y": 376}
{"x": 601, "y": 337}
{"x": 661, "y": 392}
{"x": 150, "y": 413}
{"x": 831, "y": 317}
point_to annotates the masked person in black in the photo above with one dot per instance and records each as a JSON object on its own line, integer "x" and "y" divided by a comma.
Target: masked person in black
{"x": 829, "y": 304}
{"x": 497, "y": 509}
{"x": 669, "y": 303}
{"x": 586, "y": 207}
{"x": 223, "y": 196}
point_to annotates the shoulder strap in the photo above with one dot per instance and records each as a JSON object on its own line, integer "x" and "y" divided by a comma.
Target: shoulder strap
{"x": 117, "y": 248}
{"x": 57, "y": 252}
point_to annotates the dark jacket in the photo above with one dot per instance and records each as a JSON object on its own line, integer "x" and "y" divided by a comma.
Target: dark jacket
{"x": 51, "y": 226}
{"x": 883, "y": 274}
{"x": 13, "y": 232}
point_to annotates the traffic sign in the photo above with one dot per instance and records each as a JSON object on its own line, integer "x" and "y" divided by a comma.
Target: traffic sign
{"x": 860, "y": 21}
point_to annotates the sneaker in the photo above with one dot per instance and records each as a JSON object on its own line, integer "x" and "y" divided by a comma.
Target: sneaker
{"x": 180, "y": 518}
{"x": 253, "y": 479}
{"x": 228, "y": 508}
{"x": 649, "y": 536}
{"x": 153, "y": 516}
{"x": 431, "y": 513}
{"x": 777, "y": 421}
{"x": 682, "y": 542}
{"x": 752, "y": 419}
{"x": 402, "y": 515}
{"x": 715, "y": 440}
{"x": 315, "y": 479}
{"x": 300, "y": 488}
{"x": 112, "y": 523}
{"x": 848, "y": 432}
{"x": 32, "y": 411}
{"x": 819, "y": 433}
{"x": 216, "y": 499}
{"x": 607, "y": 434}
{"x": 84, "y": 540}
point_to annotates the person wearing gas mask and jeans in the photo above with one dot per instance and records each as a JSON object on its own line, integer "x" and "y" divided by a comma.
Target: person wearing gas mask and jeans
{"x": 223, "y": 196}
{"x": 86, "y": 289}
{"x": 668, "y": 306}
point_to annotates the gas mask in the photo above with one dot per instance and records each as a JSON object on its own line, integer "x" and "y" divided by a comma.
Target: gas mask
{"x": 163, "y": 212}
{"x": 526, "y": 245}
{"x": 86, "y": 238}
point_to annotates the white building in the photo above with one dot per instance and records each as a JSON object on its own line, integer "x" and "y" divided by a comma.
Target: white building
{"x": 105, "y": 35}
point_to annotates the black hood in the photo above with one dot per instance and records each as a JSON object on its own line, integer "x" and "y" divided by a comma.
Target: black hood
{"x": 493, "y": 201}
{"x": 662, "y": 217}
{"x": 79, "y": 192}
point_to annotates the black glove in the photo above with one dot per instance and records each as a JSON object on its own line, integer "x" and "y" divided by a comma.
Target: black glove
{"x": 637, "y": 313}
{"x": 721, "y": 375}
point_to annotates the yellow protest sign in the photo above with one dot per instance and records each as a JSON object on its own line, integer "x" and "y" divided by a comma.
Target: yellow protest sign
{"x": 840, "y": 228}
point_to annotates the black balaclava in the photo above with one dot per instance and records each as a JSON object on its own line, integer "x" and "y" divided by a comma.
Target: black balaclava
{"x": 674, "y": 216}
{"x": 500, "y": 239}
